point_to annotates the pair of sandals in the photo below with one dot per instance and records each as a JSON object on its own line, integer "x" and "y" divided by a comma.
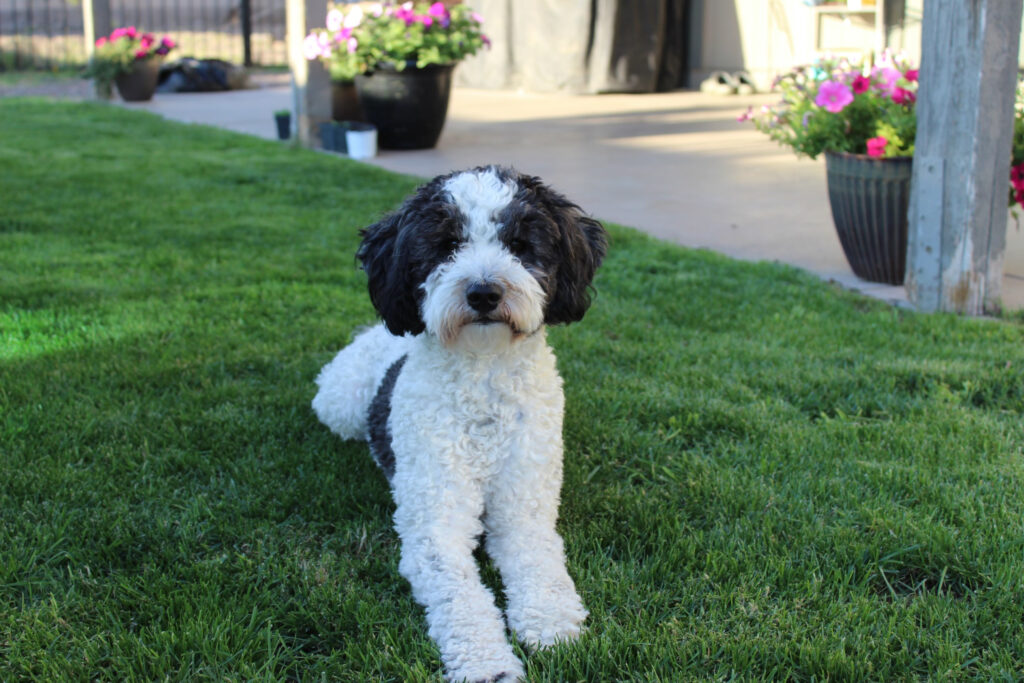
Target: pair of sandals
{"x": 725, "y": 83}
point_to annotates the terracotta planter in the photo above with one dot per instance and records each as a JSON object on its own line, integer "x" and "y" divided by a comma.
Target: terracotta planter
{"x": 139, "y": 84}
{"x": 345, "y": 104}
{"x": 408, "y": 107}
{"x": 869, "y": 200}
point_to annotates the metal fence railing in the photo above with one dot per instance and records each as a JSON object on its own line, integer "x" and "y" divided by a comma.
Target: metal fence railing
{"x": 48, "y": 34}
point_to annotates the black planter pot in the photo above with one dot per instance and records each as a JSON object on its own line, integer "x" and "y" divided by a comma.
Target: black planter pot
{"x": 139, "y": 84}
{"x": 345, "y": 104}
{"x": 409, "y": 106}
{"x": 869, "y": 200}
{"x": 284, "y": 126}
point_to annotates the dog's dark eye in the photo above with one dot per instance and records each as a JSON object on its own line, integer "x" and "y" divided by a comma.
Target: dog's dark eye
{"x": 519, "y": 246}
{"x": 451, "y": 244}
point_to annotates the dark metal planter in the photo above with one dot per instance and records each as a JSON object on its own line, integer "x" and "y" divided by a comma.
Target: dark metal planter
{"x": 345, "y": 104}
{"x": 139, "y": 84}
{"x": 408, "y": 107}
{"x": 869, "y": 200}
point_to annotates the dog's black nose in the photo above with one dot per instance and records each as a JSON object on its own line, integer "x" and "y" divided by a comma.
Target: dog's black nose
{"x": 483, "y": 297}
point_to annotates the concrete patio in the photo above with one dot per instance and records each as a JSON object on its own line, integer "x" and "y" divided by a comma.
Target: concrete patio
{"x": 676, "y": 165}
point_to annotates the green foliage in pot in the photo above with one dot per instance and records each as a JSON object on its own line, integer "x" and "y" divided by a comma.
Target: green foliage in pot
{"x": 834, "y": 105}
{"x": 358, "y": 40}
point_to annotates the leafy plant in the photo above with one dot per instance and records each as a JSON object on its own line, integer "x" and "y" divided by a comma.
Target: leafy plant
{"x": 359, "y": 40}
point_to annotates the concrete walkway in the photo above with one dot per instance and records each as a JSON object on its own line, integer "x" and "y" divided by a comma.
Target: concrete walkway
{"x": 676, "y": 165}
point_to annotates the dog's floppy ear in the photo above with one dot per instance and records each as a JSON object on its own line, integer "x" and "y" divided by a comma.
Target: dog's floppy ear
{"x": 382, "y": 253}
{"x": 582, "y": 243}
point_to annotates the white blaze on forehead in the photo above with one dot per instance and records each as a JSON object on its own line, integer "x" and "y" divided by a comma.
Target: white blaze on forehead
{"x": 480, "y": 195}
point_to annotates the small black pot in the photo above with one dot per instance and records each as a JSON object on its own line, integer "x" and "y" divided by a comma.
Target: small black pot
{"x": 332, "y": 136}
{"x": 408, "y": 107}
{"x": 284, "y": 126}
{"x": 869, "y": 200}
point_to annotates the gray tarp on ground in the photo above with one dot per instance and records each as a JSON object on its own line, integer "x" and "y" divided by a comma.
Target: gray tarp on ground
{"x": 580, "y": 45}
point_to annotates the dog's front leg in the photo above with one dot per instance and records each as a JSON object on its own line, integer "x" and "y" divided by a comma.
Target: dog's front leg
{"x": 439, "y": 523}
{"x": 543, "y": 606}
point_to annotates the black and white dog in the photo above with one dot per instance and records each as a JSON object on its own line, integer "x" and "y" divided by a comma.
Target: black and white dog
{"x": 458, "y": 395}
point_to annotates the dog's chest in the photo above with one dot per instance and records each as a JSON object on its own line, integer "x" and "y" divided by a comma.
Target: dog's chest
{"x": 481, "y": 414}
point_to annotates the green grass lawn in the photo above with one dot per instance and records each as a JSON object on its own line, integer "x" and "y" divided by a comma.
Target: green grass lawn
{"x": 765, "y": 478}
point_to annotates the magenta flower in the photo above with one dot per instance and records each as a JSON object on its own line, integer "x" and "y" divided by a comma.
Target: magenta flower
{"x": 902, "y": 96}
{"x": 437, "y": 10}
{"x": 911, "y": 75}
{"x": 168, "y": 43}
{"x": 876, "y": 147}
{"x": 100, "y": 42}
{"x": 486, "y": 40}
{"x": 833, "y": 96}
{"x": 141, "y": 54}
{"x": 860, "y": 84}
{"x": 426, "y": 20}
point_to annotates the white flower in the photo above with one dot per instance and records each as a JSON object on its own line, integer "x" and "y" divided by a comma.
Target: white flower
{"x": 334, "y": 20}
{"x": 354, "y": 17}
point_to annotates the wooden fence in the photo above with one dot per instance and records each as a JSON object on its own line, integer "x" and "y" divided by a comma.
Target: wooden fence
{"x": 48, "y": 34}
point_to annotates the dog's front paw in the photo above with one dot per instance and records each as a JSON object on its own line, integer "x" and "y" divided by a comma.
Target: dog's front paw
{"x": 544, "y": 624}
{"x": 504, "y": 668}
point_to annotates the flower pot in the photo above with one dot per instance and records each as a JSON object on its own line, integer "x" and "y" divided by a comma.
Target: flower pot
{"x": 408, "y": 107}
{"x": 345, "y": 104}
{"x": 332, "y": 136}
{"x": 284, "y": 126}
{"x": 869, "y": 200}
{"x": 139, "y": 84}
{"x": 361, "y": 140}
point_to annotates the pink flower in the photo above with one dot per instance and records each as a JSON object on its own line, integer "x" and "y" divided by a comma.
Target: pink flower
{"x": 885, "y": 78}
{"x": 147, "y": 41}
{"x": 100, "y": 42}
{"x": 746, "y": 116}
{"x": 902, "y": 96}
{"x": 131, "y": 32}
{"x": 141, "y": 54}
{"x": 486, "y": 40}
{"x": 911, "y": 75}
{"x": 118, "y": 33}
{"x": 426, "y": 20}
{"x": 1017, "y": 172}
{"x": 876, "y": 147}
{"x": 476, "y": 17}
{"x": 437, "y": 10}
{"x": 861, "y": 84}
{"x": 833, "y": 96}
{"x": 168, "y": 43}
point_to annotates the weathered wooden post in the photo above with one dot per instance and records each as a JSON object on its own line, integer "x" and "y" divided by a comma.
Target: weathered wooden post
{"x": 311, "y": 84}
{"x": 962, "y": 154}
{"x": 96, "y": 22}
